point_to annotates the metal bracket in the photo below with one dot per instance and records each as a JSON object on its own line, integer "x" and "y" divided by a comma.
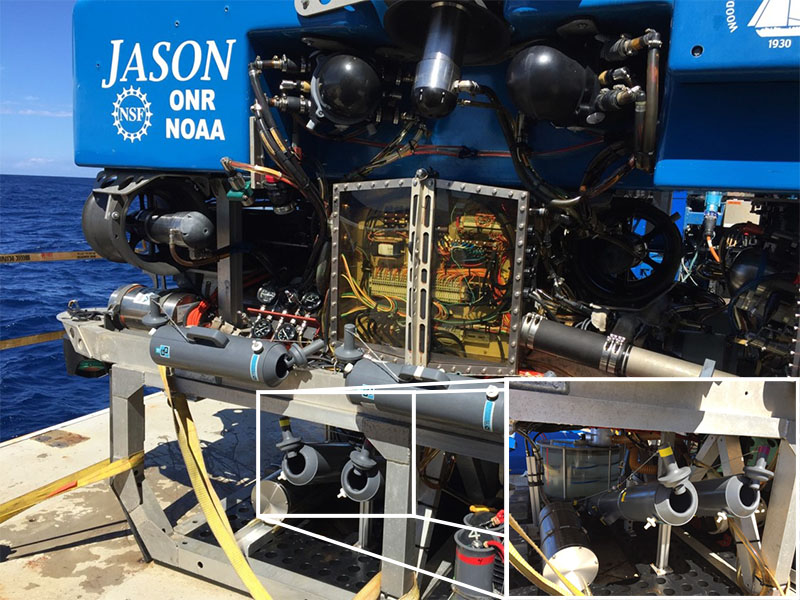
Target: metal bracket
{"x": 420, "y": 260}
{"x": 708, "y": 368}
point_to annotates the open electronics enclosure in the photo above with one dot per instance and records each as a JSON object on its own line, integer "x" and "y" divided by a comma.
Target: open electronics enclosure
{"x": 729, "y": 117}
{"x": 415, "y": 189}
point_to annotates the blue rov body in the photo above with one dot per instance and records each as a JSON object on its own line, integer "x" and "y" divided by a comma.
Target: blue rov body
{"x": 461, "y": 184}
{"x": 728, "y": 115}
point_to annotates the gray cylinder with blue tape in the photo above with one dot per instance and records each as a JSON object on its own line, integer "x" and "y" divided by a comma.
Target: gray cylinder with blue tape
{"x": 212, "y": 352}
{"x": 650, "y": 501}
{"x": 482, "y": 410}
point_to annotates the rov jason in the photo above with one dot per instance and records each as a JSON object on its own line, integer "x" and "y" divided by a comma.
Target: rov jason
{"x": 181, "y": 70}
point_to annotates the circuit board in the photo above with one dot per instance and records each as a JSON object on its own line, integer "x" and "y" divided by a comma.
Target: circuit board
{"x": 473, "y": 260}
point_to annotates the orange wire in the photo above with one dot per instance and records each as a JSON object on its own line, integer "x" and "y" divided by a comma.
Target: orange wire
{"x": 711, "y": 248}
{"x": 263, "y": 170}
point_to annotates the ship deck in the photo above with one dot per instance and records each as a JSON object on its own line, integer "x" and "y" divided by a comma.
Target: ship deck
{"x": 79, "y": 545}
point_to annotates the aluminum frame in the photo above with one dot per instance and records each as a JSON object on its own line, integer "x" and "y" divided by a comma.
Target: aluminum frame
{"x": 390, "y": 434}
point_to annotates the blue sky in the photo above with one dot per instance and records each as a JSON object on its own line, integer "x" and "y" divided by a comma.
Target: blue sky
{"x": 36, "y": 88}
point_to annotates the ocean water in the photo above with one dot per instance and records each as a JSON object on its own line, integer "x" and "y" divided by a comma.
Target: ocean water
{"x": 43, "y": 214}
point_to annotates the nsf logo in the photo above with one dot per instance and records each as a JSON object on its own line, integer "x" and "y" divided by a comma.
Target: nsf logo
{"x": 132, "y": 114}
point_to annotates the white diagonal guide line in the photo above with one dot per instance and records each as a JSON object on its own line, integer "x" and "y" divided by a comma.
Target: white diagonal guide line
{"x": 383, "y": 558}
{"x": 303, "y": 516}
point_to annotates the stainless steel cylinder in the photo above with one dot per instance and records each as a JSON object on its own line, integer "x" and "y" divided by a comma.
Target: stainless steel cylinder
{"x": 612, "y": 354}
{"x": 566, "y": 546}
{"x": 282, "y": 498}
{"x": 440, "y": 65}
{"x": 192, "y": 228}
{"x": 130, "y": 303}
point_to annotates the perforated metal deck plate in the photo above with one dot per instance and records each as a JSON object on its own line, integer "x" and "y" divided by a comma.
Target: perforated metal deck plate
{"x": 303, "y": 554}
{"x": 693, "y": 582}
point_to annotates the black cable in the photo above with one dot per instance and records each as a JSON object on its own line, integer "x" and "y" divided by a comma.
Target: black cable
{"x": 532, "y": 182}
{"x": 289, "y": 164}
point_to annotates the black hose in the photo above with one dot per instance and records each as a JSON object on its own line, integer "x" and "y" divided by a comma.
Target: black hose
{"x": 535, "y": 185}
{"x": 602, "y": 160}
{"x": 290, "y": 165}
{"x": 651, "y": 112}
{"x": 640, "y": 111}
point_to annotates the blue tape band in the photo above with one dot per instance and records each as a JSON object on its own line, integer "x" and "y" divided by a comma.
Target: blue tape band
{"x": 488, "y": 413}
{"x": 254, "y": 367}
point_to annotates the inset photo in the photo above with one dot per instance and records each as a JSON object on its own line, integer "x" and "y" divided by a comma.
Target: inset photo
{"x": 645, "y": 488}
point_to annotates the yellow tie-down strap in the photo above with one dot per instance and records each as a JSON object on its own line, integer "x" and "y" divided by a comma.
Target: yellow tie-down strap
{"x": 97, "y": 472}
{"x": 531, "y": 574}
{"x": 206, "y": 496}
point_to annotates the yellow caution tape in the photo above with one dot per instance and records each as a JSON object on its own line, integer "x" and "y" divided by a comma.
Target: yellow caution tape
{"x": 570, "y": 586}
{"x": 97, "y": 472}
{"x": 48, "y": 256}
{"x": 206, "y": 496}
{"x": 29, "y": 340}
{"x": 664, "y": 452}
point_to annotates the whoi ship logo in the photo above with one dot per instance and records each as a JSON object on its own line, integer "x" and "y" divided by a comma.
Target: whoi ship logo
{"x": 132, "y": 114}
{"x": 777, "y": 18}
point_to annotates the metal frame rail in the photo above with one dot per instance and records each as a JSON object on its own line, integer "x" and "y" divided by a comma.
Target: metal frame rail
{"x": 157, "y": 538}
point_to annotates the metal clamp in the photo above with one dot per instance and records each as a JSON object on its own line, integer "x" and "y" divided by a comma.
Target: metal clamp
{"x": 530, "y": 325}
{"x": 614, "y": 349}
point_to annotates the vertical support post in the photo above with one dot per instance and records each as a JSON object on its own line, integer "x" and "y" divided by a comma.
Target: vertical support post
{"x": 148, "y": 523}
{"x": 126, "y": 388}
{"x": 229, "y": 270}
{"x": 126, "y": 430}
{"x": 780, "y": 543}
{"x": 364, "y": 523}
{"x": 662, "y": 555}
{"x": 661, "y": 565}
{"x": 534, "y": 485}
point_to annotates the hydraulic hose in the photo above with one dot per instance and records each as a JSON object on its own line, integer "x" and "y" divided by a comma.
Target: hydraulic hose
{"x": 612, "y": 354}
{"x": 640, "y": 111}
{"x": 653, "y": 40}
{"x": 529, "y": 180}
{"x": 287, "y": 162}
